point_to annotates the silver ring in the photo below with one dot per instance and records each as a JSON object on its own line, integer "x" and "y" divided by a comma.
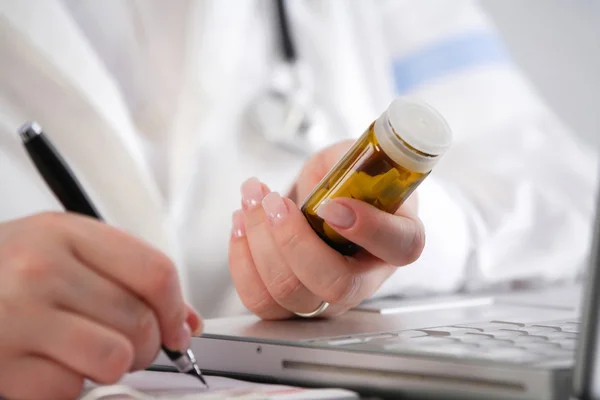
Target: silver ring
{"x": 318, "y": 311}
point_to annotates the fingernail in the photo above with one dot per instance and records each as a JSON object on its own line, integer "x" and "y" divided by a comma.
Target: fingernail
{"x": 252, "y": 193}
{"x": 336, "y": 214}
{"x": 274, "y": 207}
{"x": 238, "y": 229}
{"x": 184, "y": 337}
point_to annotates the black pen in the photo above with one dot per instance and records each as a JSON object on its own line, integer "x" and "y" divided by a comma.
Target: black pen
{"x": 66, "y": 188}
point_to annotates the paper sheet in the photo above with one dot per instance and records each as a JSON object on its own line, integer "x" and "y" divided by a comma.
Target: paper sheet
{"x": 151, "y": 385}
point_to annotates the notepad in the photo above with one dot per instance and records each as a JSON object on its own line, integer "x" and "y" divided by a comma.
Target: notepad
{"x": 153, "y": 385}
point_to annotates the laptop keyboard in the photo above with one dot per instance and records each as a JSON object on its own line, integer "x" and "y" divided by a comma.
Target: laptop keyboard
{"x": 506, "y": 341}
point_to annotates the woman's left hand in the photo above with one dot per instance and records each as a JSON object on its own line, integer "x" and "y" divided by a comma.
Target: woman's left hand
{"x": 280, "y": 266}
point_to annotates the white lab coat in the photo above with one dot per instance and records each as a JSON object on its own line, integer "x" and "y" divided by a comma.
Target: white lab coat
{"x": 146, "y": 100}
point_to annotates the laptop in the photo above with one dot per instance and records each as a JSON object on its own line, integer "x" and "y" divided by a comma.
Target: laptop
{"x": 536, "y": 344}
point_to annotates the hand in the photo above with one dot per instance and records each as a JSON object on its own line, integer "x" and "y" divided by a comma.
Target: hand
{"x": 80, "y": 299}
{"x": 280, "y": 266}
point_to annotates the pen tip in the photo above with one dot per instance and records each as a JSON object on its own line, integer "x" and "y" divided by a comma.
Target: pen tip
{"x": 196, "y": 372}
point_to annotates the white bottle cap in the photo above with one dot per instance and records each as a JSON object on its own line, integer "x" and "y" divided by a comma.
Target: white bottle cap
{"x": 413, "y": 134}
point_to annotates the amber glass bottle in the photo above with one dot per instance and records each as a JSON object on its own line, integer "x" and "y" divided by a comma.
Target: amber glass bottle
{"x": 385, "y": 165}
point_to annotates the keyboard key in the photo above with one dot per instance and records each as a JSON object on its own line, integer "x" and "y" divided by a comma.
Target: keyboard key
{"x": 508, "y": 322}
{"x": 448, "y": 331}
{"x": 540, "y": 346}
{"x": 570, "y": 328}
{"x": 409, "y": 334}
{"x": 529, "y": 339}
{"x": 425, "y": 341}
{"x": 557, "y": 336}
{"x": 383, "y": 342}
{"x": 507, "y": 333}
{"x": 432, "y": 340}
{"x": 379, "y": 337}
{"x": 492, "y": 343}
{"x": 564, "y": 326}
{"x": 556, "y": 327}
{"x": 474, "y": 337}
{"x": 490, "y": 326}
{"x": 540, "y": 330}
{"x": 393, "y": 336}
{"x": 564, "y": 322}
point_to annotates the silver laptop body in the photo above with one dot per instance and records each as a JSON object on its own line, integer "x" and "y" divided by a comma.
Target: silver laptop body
{"x": 529, "y": 345}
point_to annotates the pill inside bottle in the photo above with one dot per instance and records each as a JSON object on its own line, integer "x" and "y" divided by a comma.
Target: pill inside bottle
{"x": 384, "y": 166}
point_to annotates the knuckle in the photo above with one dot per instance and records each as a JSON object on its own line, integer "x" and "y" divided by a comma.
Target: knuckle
{"x": 262, "y": 304}
{"x": 289, "y": 241}
{"x": 146, "y": 326}
{"x": 31, "y": 267}
{"x": 284, "y": 287}
{"x": 115, "y": 359}
{"x": 344, "y": 289}
{"x": 161, "y": 275}
{"x": 144, "y": 358}
{"x": 171, "y": 325}
{"x": 177, "y": 318}
{"x": 26, "y": 263}
{"x": 35, "y": 270}
{"x": 26, "y": 260}
{"x": 145, "y": 339}
{"x": 72, "y": 389}
{"x": 146, "y": 350}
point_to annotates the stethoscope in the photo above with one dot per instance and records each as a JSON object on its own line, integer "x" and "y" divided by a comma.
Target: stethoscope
{"x": 285, "y": 113}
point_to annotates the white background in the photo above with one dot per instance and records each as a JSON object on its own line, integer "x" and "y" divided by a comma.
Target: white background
{"x": 557, "y": 44}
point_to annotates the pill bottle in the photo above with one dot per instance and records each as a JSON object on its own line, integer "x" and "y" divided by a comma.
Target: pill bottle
{"x": 384, "y": 166}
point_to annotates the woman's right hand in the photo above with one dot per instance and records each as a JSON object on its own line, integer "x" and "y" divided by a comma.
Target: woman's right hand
{"x": 80, "y": 299}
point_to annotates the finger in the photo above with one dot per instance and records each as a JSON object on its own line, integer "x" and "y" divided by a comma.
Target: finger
{"x": 83, "y": 291}
{"x": 194, "y": 320}
{"x": 138, "y": 267}
{"x": 38, "y": 378}
{"x": 325, "y": 272}
{"x": 275, "y": 209}
{"x": 249, "y": 285}
{"x": 81, "y": 345}
{"x": 279, "y": 279}
{"x": 397, "y": 239}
